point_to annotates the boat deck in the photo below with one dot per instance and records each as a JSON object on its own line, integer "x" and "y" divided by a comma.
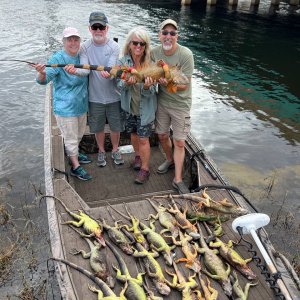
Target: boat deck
{"x": 114, "y": 184}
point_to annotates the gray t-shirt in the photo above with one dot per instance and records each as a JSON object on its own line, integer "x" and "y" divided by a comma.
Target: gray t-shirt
{"x": 101, "y": 90}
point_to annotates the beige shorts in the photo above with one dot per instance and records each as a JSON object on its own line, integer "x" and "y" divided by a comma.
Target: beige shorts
{"x": 72, "y": 130}
{"x": 178, "y": 120}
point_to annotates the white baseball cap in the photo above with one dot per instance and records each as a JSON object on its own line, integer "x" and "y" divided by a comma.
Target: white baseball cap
{"x": 70, "y": 31}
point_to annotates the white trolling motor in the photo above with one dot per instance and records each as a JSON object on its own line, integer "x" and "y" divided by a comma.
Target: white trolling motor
{"x": 249, "y": 224}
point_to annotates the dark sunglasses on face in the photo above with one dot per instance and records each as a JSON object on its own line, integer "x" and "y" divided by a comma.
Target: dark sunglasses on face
{"x": 135, "y": 43}
{"x": 166, "y": 32}
{"x": 98, "y": 26}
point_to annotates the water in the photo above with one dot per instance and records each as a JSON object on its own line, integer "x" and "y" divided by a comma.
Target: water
{"x": 246, "y": 107}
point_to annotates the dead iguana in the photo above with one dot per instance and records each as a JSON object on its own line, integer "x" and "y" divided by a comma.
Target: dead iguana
{"x": 165, "y": 219}
{"x": 153, "y": 269}
{"x": 90, "y": 226}
{"x": 97, "y": 260}
{"x": 135, "y": 289}
{"x": 181, "y": 284}
{"x": 190, "y": 252}
{"x": 242, "y": 294}
{"x": 105, "y": 293}
{"x": 215, "y": 265}
{"x": 231, "y": 256}
{"x": 118, "y": 237}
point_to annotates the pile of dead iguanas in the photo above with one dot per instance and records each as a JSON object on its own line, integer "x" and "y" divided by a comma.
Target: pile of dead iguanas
{"x": 204, "y": 258}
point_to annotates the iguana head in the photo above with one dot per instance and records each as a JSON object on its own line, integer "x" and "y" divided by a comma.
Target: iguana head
{"x": 227, "y": 287}
{"x": 162, "y": 287}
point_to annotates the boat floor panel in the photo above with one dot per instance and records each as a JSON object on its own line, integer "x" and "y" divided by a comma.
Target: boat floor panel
{"x": 142, "y": 209}
{"x": 115, "y": 183}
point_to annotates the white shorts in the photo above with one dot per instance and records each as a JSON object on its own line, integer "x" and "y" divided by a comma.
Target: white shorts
{"x": 72, "y": 130}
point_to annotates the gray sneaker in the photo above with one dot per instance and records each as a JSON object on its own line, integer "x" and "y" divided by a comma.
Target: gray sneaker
{"x": 101, "y": 162}
{"x": 117, "y": 157}
{"x": 165, "y": 167}
{"x": 180, "y": 187}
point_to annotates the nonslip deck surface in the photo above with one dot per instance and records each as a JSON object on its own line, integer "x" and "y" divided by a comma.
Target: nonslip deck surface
{"x": 115, "y": 183}
{"x": 141, "y": 209}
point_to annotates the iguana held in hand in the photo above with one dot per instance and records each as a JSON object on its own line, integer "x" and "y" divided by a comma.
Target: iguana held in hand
{"x": 90, "y": 226}
{"x": 105, "y": 289}
{"x": 165, "y": 219}
{"x": 135, "y": 289}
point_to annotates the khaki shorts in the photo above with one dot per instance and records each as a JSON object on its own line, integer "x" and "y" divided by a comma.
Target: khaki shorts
{"x": 178, "y": 120}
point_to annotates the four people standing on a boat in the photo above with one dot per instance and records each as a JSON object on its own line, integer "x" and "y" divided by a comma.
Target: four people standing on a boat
{"x": 138, "y": 100}
{"x": 173, "y": 108}
{"x": 70, "y": 99}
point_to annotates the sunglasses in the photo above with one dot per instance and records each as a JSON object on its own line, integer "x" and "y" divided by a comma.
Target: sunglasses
{"x": 100, "y": 27}
{"x": 166, "y": 32}
{"x": 135, "y": 43}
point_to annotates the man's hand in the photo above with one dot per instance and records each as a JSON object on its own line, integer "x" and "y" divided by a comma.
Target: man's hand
{"x": 105, "y": 74}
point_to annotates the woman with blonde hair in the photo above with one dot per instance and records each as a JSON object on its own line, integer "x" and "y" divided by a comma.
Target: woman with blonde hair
{"x": 138, "y": 100}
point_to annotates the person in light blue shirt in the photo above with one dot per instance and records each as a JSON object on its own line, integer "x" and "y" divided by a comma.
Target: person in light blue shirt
{"x": 70, "y": 99}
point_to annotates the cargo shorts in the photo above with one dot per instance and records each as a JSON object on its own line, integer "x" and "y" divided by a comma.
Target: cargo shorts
{"x": 99, "y": 113}
{"x": 178, "y": 120}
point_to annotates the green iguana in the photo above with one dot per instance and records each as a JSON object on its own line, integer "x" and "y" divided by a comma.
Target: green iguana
{"x": 215, "y": 265}
{"x": 153, "y": 269}
{"x": 89, "y": 225}
{"x": 135, "y": 289}
{"x": 105, "y": 293}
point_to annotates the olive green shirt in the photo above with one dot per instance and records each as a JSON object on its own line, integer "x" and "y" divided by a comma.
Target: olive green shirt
{"x": 183, "y": 57}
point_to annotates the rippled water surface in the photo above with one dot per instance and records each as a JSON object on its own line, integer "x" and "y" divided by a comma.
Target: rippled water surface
{"x": 246, "y": 107}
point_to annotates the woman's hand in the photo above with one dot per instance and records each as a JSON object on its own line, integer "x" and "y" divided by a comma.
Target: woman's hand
{"x": 70, "y": 69}
{"x": 131, "y": 80}
{"x": 40, "y": 68}
{"x": 148, "y": 82}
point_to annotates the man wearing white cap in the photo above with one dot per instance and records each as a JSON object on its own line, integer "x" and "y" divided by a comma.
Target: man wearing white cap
{"x": 70, "y": 99}
{"x": 173, "y": 108}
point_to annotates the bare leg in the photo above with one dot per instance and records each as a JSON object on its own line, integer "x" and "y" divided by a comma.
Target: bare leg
{"x": 135, "y": 143}
{"x": 166, "y": 145}
{"x": 74, "y": 161}
{"x": 100, "y": 137}
{"x": 144, "y": 146}
{"x": 179, "y": 154}
{"x": 115, "y": 139}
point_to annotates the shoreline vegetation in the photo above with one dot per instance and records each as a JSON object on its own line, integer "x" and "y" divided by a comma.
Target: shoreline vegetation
{"x": 25, "y": 245}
